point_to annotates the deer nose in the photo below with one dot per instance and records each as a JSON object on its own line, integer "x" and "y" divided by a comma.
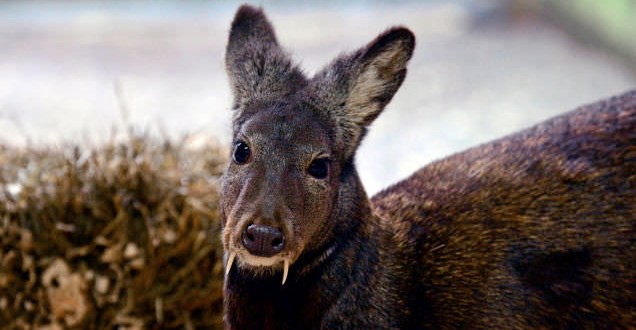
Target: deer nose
{"x": 263, "y": 241}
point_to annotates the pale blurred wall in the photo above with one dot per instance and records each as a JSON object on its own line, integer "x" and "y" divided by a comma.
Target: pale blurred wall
{"x": 480, "y": 70}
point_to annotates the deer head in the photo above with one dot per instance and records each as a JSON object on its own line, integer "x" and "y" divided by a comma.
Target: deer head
{"x": 291, "y": 185}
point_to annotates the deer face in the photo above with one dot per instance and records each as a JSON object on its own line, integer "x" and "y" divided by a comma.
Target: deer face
{"x": 291, "y": 178}
{"x": 279, "y": 188}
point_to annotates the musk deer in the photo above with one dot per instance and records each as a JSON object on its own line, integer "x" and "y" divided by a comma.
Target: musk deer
{"x": 534, "y": 230}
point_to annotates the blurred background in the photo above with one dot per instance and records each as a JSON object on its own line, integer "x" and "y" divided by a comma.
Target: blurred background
{"x": 74, "y": 71}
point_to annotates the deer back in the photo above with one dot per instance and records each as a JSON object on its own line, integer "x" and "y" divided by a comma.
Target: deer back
{"x": 534, "y": 230}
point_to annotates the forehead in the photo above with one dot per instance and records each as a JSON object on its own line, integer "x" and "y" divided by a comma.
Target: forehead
{"x": 288, "y": 126}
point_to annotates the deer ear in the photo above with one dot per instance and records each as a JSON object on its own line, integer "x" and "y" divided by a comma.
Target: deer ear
{"x": 382, "y": 70}
{"x": 357, "y": 87}
{"x": 257, "y": 66}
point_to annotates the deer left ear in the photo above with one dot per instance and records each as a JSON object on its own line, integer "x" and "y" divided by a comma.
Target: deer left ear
{"x": 357, "y": 87}
{"x": 382, "y": 71}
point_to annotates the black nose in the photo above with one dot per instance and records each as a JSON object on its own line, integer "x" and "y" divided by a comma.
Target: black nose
{"x": 263, "y": 241}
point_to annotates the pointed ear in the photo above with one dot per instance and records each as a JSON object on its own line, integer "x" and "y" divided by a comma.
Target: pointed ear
{"x": 353, "y": 90}
{"x": 256, "y": 65}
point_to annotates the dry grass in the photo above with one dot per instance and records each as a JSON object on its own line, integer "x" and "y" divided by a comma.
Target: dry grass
{"x": 123, "y": 236}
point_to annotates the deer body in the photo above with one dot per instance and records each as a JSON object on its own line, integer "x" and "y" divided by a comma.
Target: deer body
{"x": 535, "y": 230}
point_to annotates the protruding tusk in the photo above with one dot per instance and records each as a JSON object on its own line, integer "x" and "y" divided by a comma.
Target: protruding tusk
{"x": 285, "y": 270}
{"x": 230, "y": 261}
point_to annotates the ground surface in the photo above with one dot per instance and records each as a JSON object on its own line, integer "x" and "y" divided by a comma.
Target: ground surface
{"x": 479, "y": 71}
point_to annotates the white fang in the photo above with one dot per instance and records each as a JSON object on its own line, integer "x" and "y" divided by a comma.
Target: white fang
{"x": 285, "y": 270}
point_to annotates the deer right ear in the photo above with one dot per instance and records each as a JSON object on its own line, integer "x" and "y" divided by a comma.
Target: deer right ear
{"x": 257, "y": 66}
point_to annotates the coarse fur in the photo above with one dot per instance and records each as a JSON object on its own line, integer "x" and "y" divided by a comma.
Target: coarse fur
{"x": 534, "y": 230}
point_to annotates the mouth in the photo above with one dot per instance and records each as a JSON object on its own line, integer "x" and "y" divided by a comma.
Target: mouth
{"x": 255, "y": 262}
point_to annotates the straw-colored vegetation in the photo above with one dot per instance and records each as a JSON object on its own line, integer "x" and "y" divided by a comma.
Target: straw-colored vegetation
{"x": 124, "y": 236}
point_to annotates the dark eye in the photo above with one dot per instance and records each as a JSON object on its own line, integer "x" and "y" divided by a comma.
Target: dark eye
{"x": 319, "y": 168}
{"x": 241, "y": 153}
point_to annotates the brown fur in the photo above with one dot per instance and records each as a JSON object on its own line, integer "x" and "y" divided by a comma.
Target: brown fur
{"x": 535, "y": 230}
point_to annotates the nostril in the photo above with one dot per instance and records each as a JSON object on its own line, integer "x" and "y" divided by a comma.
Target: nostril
{"x": 277, "y": 242}
{"x": 262, "y": 240}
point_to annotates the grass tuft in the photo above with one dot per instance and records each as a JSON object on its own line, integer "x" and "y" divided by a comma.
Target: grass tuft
{"x": 122, "y": 236}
